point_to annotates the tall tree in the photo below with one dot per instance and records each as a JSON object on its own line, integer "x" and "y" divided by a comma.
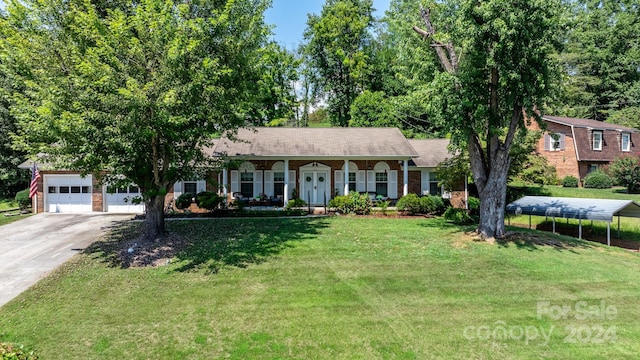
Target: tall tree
{"x": 137, "y": 89}
{"x": 275, "y": 101}
{"x": 336, "y": 42}
{"x": 601, "y": 60}
{"x": 505, "y": 72}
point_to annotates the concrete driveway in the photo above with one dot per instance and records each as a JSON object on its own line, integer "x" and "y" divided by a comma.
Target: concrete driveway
{"x": 32, "y": 247}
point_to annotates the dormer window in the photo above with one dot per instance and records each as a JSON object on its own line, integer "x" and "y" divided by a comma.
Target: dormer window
{"x": 625, "y": 142}
{"x": 597, "y": 140}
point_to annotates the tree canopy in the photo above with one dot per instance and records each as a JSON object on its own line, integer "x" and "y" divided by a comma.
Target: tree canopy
{"x": 136, "y": 88}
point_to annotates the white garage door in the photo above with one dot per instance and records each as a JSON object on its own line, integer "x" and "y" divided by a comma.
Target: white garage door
{"x": 119, "y": 200}
{"x": 68, "y": 193}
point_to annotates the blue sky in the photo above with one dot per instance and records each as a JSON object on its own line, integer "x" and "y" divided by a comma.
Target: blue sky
{"x": 290, "y": 18}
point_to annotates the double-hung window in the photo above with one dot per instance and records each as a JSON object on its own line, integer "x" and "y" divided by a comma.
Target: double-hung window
{"x": 246, "y": 184}
{"x": 625, "y": 142}
{"x": 597, "y": 140}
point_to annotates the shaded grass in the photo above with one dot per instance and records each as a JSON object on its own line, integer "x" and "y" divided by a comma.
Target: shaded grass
{"x": 6, "y": 204}
{"x": 330, "y": 288}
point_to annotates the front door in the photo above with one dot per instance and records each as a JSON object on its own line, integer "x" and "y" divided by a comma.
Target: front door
{"x": 315, "y": 186}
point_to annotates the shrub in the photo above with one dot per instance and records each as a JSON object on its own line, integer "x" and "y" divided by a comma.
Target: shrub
{"x": 409, "y": 204}
{"x": 340, "y": 203}
{"x": 11, "y": 352}
{"x": 23, "y": 200}
{"x": 473, "y": 203}
{"x": 598, "y": 180}
{"x": 184, "y": 201}
{"x": 570, "y": 182}
{"x": 354, "y": 203}
{"x": 295, "y": 203}
{"x": 626, "y": 171}
{"x": 208, "y": 200}
{"x": 432, "y": 205}
{"x": 458, "y": 216}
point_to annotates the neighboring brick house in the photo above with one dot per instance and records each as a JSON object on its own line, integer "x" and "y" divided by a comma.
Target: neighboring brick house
{"x": 583, "y": 145}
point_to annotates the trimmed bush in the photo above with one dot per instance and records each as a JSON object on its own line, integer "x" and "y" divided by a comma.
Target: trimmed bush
{"x": 432, "y": 205}
{"x": 22, "y": 198}
{"x": 409, "y": 204}
{"x": 295, "y": 203}
{"x": 184, "y": 201}
{"x": 598, "y": 180}
{"x": 570, "y": 181}
{"x": 208, "y": 200}
{"x": 354, "y": 203}
{"x": 458, "y": 216}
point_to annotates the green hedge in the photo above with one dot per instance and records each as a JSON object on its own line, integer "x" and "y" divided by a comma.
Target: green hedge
{"x": 570, "y": 182}
{"x": 354, "y": 203}
{"x": 597, "y": 180}
{"x": 411, "y": 204}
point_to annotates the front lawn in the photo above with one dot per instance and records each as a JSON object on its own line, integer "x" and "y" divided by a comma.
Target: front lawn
{"x": 9, "y": 207}
{"x": 337, "y": 288}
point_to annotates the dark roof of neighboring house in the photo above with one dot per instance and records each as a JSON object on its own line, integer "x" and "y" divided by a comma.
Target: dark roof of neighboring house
{"x": 431, "y": 152}
{"x": 316, "y": 143}
{"x": 587, "y": 123}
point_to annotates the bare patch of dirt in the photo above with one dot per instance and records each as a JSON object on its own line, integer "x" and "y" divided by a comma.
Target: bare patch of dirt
{"x": 143, "y": 253}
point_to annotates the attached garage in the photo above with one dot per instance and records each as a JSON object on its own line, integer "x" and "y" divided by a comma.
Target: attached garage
{"x": 67, "y": 193}
{"x": 120, "y": 200}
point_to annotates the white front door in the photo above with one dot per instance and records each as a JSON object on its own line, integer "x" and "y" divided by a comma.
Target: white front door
{"x": 315, "y": 187}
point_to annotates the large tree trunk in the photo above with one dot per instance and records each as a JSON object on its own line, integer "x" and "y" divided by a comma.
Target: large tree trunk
{"x": 154, "y": 219}
{"x": 492, "y": 203}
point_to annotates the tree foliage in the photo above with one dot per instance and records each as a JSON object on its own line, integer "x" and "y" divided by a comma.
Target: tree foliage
{"x": 505, "y": 72}
{"x": 626, "y": 171}
{"x": 136, "y": 88}
{"x": 601, "y": 61}
{"x": 336, "y": 41}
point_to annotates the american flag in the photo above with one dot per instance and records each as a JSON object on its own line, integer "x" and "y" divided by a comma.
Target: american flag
{"x": 35, "y": 175}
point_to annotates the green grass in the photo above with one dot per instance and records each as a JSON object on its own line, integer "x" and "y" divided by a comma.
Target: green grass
{"x": 333, "y": 288}
{"x": 6, "y": 204}
{"x": 9, "y": 205}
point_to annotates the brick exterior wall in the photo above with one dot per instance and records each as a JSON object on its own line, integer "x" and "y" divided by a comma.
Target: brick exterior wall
{"x": 566, "y": 162}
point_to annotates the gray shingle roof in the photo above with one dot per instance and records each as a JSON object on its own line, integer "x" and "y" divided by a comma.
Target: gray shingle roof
{"x": 431, "y": 152}
{"x": 337, "y": 143}
{"x": 587, "y": 123}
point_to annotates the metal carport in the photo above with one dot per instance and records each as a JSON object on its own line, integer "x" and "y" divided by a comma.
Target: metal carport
{"x": 575, "y": 208}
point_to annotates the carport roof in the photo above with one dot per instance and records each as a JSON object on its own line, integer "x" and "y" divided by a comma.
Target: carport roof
{"x": 574, "y": 208}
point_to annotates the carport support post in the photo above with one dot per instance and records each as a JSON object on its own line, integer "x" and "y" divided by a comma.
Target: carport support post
{"x": 580, "y": 228}
{"x": 529, "y": 221}
{"x": 618, "y": 226}
{"x": 609, "y": 233}
{"x": 554, "y": 224}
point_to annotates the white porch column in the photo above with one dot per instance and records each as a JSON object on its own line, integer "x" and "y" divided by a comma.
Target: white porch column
{"x": 286, "y": 182}
{"x": 225, "y": 178}
{"x": 346, "y": 177}
{"x": 405, "y": 189}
